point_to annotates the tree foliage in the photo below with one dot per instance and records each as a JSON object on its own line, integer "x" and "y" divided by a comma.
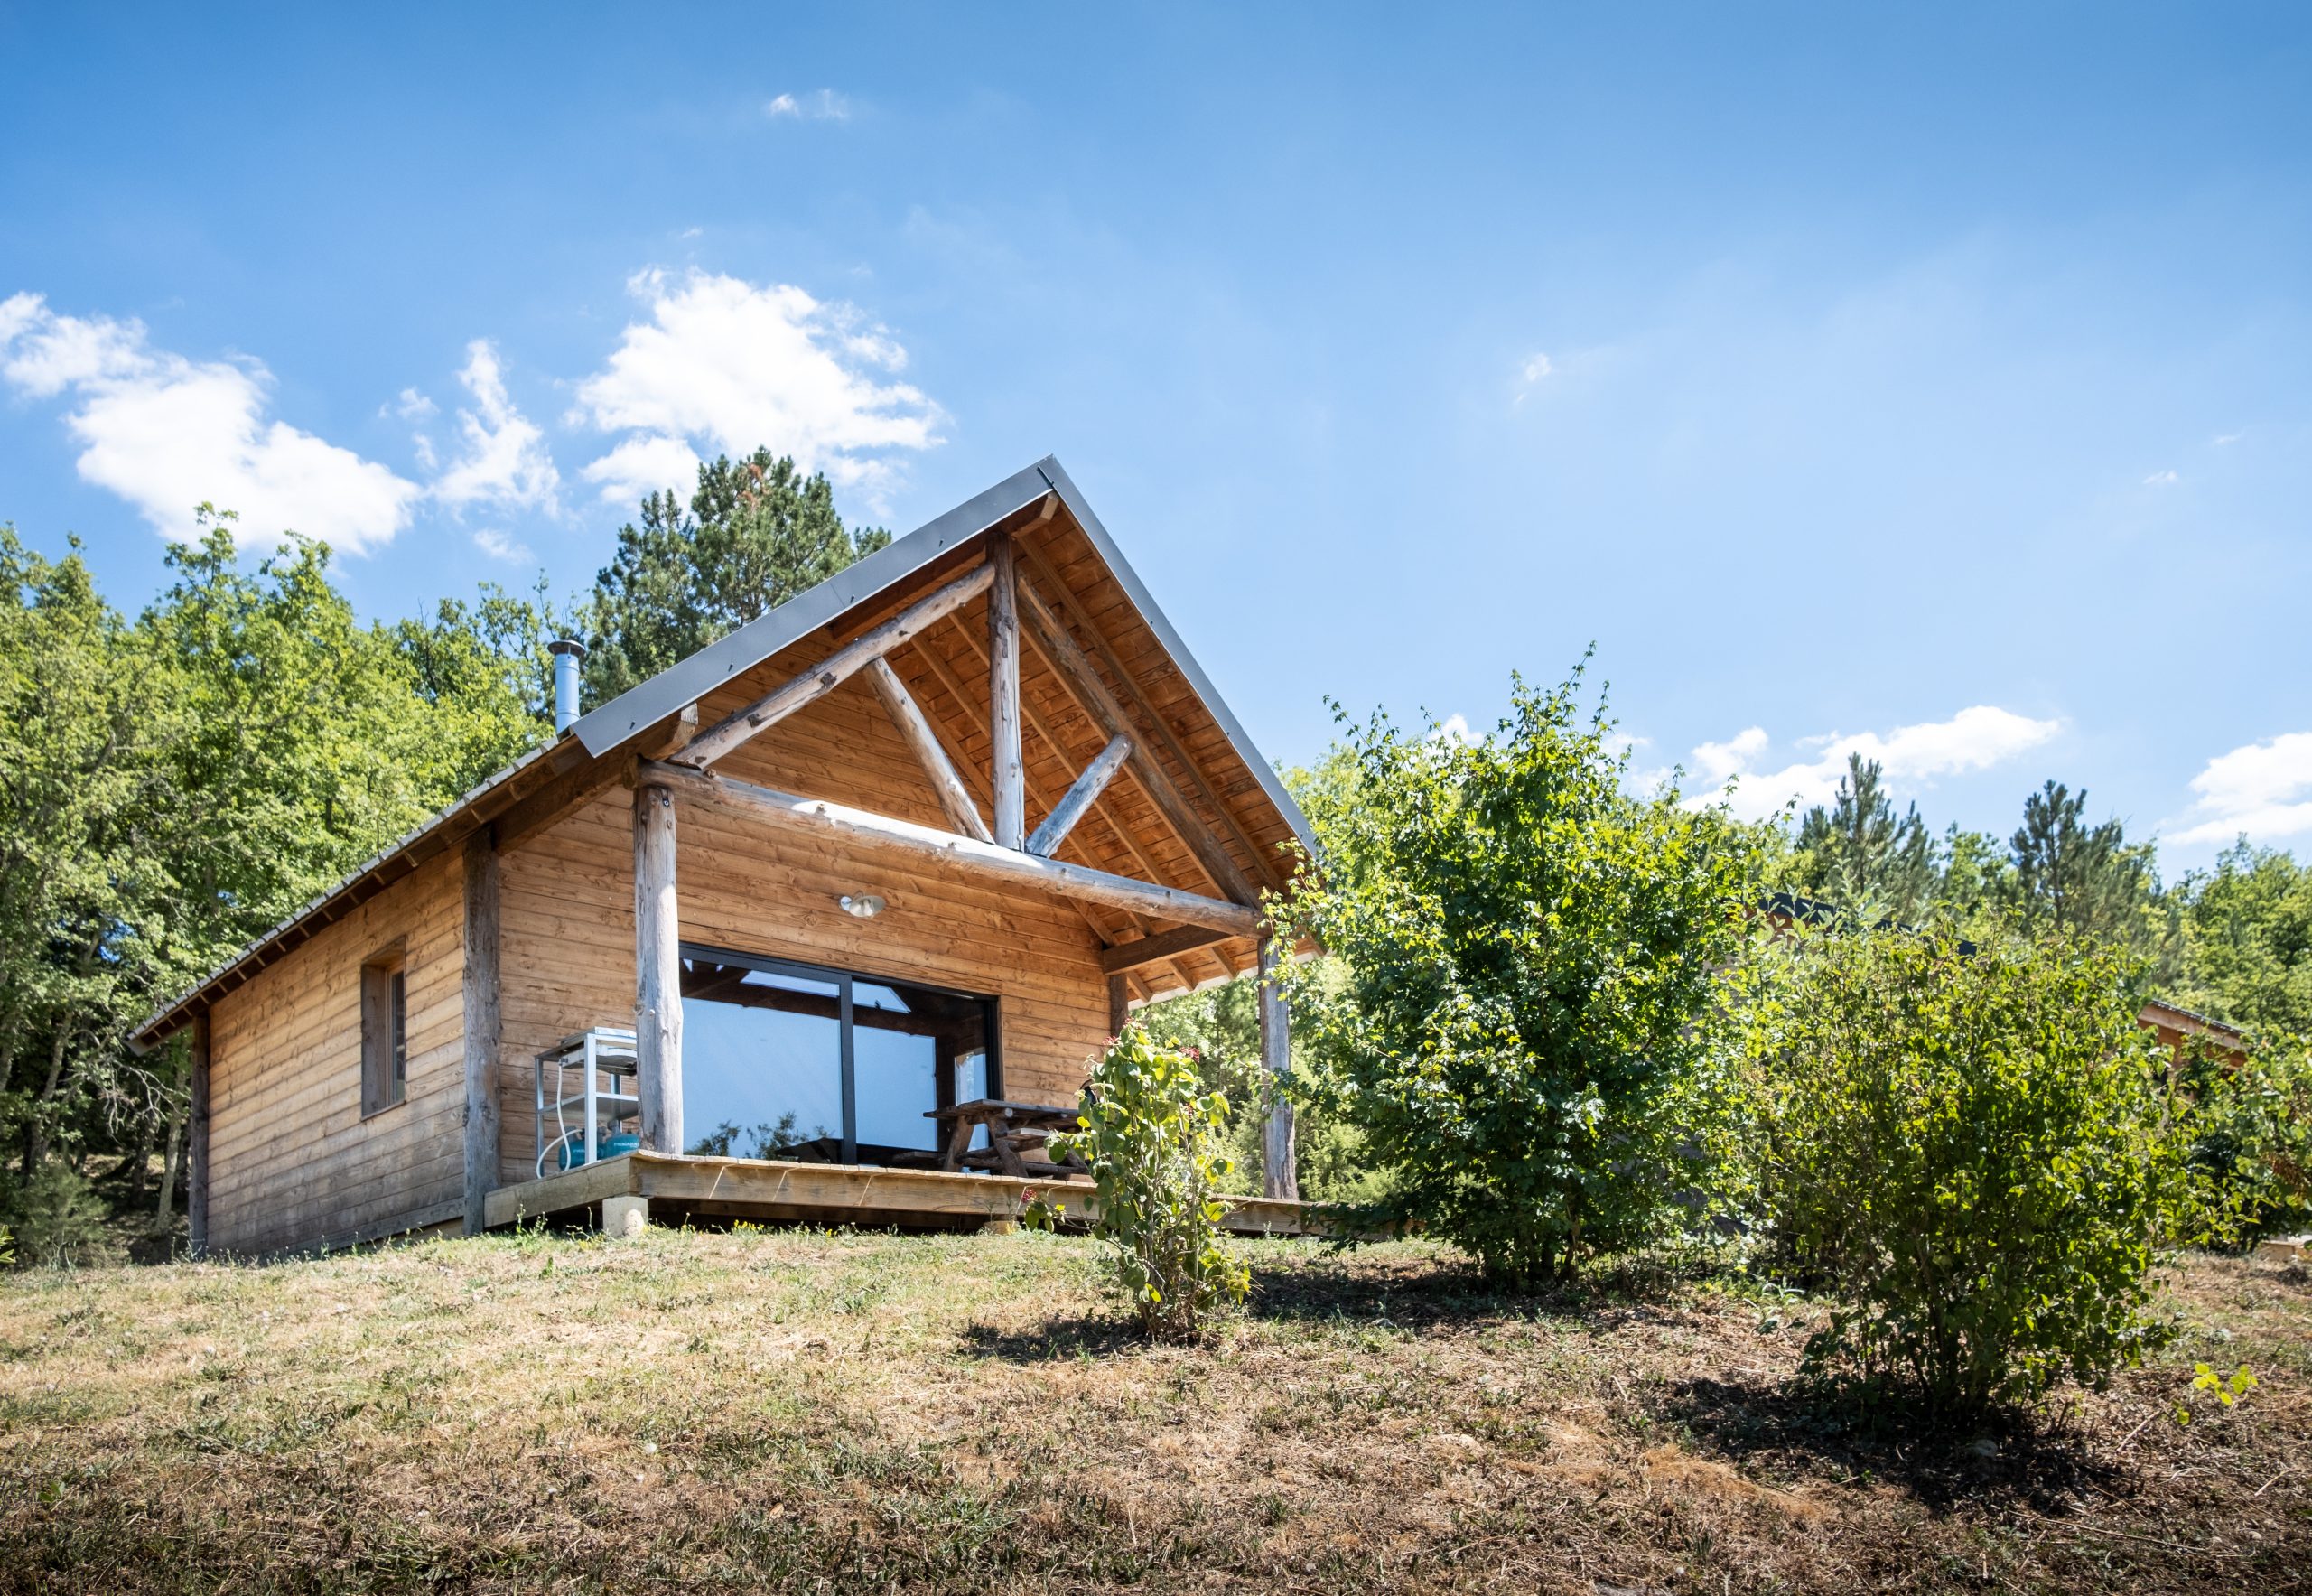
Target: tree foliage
{"x": 1975, "y": 1150}
{"x": 173, "y": 785}
{"x": 1861, "y": 855}
{"x": 2247, "y": 933}
{"x": 1522, "y": 1028}
{"x": 178, "y": 783}
{"x": 756, "y": 532}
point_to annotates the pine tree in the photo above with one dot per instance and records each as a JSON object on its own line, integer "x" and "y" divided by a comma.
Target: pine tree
{"x": 756, "y": 532}
{"x": 1860, "y": 855}
{"x": 2088, "y": 880}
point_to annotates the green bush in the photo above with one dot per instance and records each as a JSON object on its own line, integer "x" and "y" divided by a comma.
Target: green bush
{"x": 1973, "y": 1148}
{"x": 1157, "y": 1142}
{"x": 2251, "y": 1130}
{"x": 1518, "y": 1015}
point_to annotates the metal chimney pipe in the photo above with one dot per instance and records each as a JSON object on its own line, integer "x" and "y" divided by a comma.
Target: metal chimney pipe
{"x": 567, "y": 652}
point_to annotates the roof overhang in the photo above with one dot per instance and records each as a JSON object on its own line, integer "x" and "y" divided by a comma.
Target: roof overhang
{"x": 614, "y": 728}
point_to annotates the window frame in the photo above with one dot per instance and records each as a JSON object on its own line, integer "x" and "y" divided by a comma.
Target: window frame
{"x": 384, "y": 1031}
{"x": 943, "y": 1080}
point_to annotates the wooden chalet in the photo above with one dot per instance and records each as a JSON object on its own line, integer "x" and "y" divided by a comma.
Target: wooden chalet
{"x": 732, "y": 944}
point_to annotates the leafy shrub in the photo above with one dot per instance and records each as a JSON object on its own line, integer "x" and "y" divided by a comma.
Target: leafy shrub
{"x": 2251, "y": 1130}
{"x": 60, "y": 1219}
{"x": 1220, "y": 1026}
{"x": 1971, "y": 1147}
{"x": 1157, "y": 1142}
{"x": 1519, "y": 1018}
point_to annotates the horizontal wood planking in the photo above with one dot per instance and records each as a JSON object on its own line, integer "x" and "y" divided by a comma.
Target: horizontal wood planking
{"x": 841, "y": 825}
{"x": 293, "y": 1159}
{"x": 569, "y": 952}
{"x": 737, "y": 1186}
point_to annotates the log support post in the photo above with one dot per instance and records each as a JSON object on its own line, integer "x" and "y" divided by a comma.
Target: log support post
{"x": 1280, "y": 1176}
{"x": 1119, "y": 1004}
{"x": 1009, "y": 777}
{"x": 483, "y": 1027}
{"x": 657, "y": 971}
{"x": 196, "y": 1142}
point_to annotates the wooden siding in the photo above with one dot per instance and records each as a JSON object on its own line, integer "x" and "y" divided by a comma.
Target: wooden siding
{"x": 292, "y": 1159}
{"x": 569, "y": 938}
{"x": 296, "y": 1163}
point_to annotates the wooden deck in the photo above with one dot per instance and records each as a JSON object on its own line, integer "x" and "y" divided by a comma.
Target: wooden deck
{"x": 727, "y": 1189}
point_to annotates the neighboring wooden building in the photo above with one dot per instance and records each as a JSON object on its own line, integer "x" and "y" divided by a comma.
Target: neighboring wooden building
{"x": 2174, "y": 1026}
{"x": 923, "y": 834}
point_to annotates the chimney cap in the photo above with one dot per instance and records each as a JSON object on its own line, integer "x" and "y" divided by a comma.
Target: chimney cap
{"x": 566, "y": 646}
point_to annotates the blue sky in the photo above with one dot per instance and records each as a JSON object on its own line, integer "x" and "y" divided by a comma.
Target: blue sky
{"x": 1937, "y": 385}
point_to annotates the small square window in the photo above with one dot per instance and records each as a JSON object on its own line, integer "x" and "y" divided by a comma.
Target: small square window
{"x": 385, "y": 1033}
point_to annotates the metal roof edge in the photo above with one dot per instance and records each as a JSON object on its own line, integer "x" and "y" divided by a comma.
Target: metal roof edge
{"x": 603, "y": 730}
{"x": 1143, "y": 600}
{"x": 164, "y": 1021}
{"x": 687, "y": 680}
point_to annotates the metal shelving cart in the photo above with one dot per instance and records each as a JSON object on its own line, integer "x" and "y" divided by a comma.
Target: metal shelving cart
{"x": 593, "y": 1100}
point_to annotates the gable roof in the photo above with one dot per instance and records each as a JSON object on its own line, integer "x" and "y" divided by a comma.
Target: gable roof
{"x": 928, "y": 554}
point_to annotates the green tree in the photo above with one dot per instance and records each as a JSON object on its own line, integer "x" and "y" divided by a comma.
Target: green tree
{"x": 81, "y": 902}
{"x": 1522, "y": 1024}
{"x": 2247, "y": 930}
{"x": 302, "y": 742}
{"x": 1219, "y": 1027}
{"x": 757, "y": 532}
{"x": 1976, "y": 1150}
{"x": 1861, "y": 855}
{"x": 2090, "y": 881}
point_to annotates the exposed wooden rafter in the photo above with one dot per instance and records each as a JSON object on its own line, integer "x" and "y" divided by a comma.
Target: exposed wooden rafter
{"x": 1159, "y": 948}
{"x": 837, "y": 667}
{"x": 1080, "y": 795}
{"x": 820, "y": 818}
{"x": 915, "y": 730}
{"x": 922, "y": 650}
{"x": 1036, "y": 568}
{"x": 1082, "y": 681}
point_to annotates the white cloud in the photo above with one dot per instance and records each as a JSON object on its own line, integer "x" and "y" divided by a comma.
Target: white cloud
{"x": 505, "y": 460}
{"x": 497, "y": 545}
{"x": 2225, "y": 440}
{"x": 641, "y": 466}
{"x": 723, "y": 365}
{"x": 1453, "y": 728}
{"x": 1534, "y": 367}
{"x": 1972, "y": 740}
{"x": 166, "y": 433}
{"x": 2161, "y": 480}
{"x": 821, "y": 104}
{"x": 411, "y": 406}
{"x": 2263, "y": 791}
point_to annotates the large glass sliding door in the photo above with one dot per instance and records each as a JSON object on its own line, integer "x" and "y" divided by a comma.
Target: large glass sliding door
{"x": 787, "y": 1060}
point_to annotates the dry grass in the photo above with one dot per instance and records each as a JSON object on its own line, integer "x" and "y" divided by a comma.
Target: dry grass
{"x": 811, "y": 1410}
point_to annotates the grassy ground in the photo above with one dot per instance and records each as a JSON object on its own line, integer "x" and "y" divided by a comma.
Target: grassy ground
{"x": 865, "y": 1412}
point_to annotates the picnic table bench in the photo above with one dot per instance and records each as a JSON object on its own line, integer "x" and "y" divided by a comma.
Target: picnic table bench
{"x": 1016, "y": 1135}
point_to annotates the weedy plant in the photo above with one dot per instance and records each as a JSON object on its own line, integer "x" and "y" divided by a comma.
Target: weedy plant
{"x": 1156, "y": 1143}
{"x": 2227, "y": 1389}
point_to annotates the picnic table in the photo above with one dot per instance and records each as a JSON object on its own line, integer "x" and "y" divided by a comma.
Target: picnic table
{"x": 1016, "y": 1134}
